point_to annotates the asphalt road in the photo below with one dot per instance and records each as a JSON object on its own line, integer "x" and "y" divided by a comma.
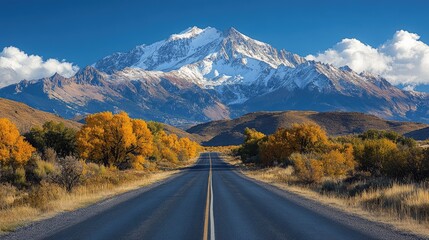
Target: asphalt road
{"x": 207, "y": 201}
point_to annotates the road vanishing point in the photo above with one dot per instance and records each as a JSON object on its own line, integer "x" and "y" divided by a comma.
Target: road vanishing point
{"x": 210, "y": 200}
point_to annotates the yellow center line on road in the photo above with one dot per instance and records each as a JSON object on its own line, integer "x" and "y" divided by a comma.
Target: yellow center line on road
{"x": 207, "y": 210}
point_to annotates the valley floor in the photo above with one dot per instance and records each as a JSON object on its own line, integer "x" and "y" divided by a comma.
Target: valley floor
{"x": 208, "y": 200}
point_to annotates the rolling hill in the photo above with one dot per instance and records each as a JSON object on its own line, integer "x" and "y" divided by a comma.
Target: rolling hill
{"x": 230, "y": 132}
{"x": 419, "y": 134}
{"x": 26, "y": 117}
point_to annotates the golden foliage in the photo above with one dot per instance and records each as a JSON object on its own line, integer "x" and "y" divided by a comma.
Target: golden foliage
{"x": 143, "y": 144}
{"x": 13, "y": 148}
{"x": 376, "y": 153}
{"x": 250, "y": 149}
{"x": 117, "y": 140}
{"x": 307, "y": 168}
{"x": 114, "y": 139}
{"x": 175, "y": 149}
{"x": 308, "y": 137}
{"x": 301, "y": 138}
{"x": 278, "y": 147}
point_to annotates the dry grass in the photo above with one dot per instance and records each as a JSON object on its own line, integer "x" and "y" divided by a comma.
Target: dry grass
{"x": 403, "y": 206}
{"x": 50, "y": 199}
{"x": 25, "y": 117}
{"x": 19, "y": 207}
{"x": 227, "y": 150}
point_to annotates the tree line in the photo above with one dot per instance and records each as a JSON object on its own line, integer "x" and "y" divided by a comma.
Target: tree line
{"x": 314, "y": 155}
{"x": 110, "y": 140}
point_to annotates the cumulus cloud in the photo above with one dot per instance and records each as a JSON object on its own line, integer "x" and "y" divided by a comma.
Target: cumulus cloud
{"x": 16, "y": 65}
{"x": 404, "y": 59}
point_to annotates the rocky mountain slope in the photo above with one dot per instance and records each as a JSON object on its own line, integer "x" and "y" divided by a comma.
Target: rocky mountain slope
{"x": 200, "y": 75}
{"x": 230, "y": 132}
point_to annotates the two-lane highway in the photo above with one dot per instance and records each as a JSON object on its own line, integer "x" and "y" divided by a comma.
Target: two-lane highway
{"x": 207, "y": 201}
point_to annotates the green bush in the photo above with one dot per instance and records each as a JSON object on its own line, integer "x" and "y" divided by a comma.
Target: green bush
{"x": 38, "y": 169}
{"x": 53, "y": 135}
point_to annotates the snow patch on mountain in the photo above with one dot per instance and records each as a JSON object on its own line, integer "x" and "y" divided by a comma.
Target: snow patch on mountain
{"x": 201, "y": 74}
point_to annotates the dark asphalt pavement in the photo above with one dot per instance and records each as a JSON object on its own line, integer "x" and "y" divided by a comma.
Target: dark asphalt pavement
{"x": 177, "y": 209}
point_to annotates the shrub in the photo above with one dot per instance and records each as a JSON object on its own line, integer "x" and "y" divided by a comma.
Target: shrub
{"x": 40, "y": 196}
{"x": 71, "y": 172}
{"x": 390, "y": 135}
{"x": 7, "y": 195}
{"x": 19, "y": 176}
{"x": 307, "y": 169}
{"x": 90, "y": 170}
{"x": 337, "y": 163}
{"x": 375, "y": 155}
{"x": 38, "y": 170}
{"x": 45, "y": 169}
{"x": 138, "y": 162}
{"x": 50, "y": 155}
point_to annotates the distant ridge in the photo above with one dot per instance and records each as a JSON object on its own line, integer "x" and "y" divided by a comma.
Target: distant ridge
{"x": 420, "y": 134}
{"x": 230, "y": 132}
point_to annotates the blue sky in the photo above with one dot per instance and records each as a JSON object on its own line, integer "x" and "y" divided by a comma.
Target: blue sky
{"x": 84, "y": 31}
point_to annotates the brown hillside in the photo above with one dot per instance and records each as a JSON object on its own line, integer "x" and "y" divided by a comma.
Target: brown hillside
{"x": 229, "y": 132}
{"x": 420, "y": 134}
{"x": 26, "y": 117}
{"x": 182, "y": 133}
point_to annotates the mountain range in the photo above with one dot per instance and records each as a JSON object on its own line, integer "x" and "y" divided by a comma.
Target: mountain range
{"x": 200, "y": 75}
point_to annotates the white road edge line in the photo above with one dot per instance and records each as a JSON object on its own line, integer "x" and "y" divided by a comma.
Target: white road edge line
{"x": 212, "y": 227}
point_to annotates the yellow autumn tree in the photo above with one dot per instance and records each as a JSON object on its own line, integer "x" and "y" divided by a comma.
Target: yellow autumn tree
{"x": 144, "y": 139}
{"x": 300, "y": 138}
{"x": 308, "y": 137}
{"x": 249, "y": 151}
{"x": 278, "y": 147}
{"x": 171, "y": 141}
{"x": 169, "y": 148}
{"x": 335, "y": 163}
{"x": 114, "y": 140}
{"x": 143, "y": 147}
{"x": 188, "y": 149}
{"x": 13, "y": 148}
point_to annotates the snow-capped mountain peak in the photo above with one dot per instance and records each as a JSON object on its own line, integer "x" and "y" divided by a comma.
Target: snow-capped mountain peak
{"x": 188, "y": 33}
{"x": 203, "y": 73}
{"x": 194, "y": 45}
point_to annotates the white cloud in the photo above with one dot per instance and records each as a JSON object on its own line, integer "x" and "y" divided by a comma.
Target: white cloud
{"x": 16, "y": 65}
{"x": 404, "y": 59}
